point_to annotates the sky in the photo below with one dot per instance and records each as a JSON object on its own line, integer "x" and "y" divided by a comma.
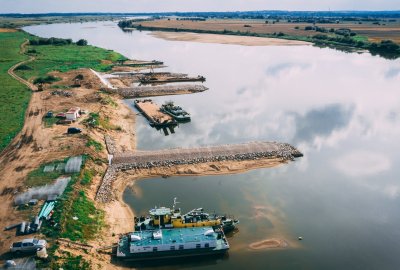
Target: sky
{"x": 44, "y": 6}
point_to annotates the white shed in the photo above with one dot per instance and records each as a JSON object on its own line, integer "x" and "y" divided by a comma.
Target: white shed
{"x": 73, "y": 114}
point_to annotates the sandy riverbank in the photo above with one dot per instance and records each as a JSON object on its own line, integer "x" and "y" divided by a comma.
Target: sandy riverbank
{"x": 227, "y": 39}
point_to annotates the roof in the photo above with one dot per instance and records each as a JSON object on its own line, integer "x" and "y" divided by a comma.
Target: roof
{"x": 174, "y": 236}
{"x": 162, "y": 211}
{"x": 74, "y": 110}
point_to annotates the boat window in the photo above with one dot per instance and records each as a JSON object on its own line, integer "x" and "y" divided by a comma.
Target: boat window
{"x": 180, "y": 246}
{"x": 172, "y": 248}
{"x": 198, "y": 245}
{"x": 206, "y": 245}
{"x": 154, "y": 249}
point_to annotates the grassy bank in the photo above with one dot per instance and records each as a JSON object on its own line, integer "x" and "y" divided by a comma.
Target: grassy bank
{"x": 14, "y": 96}
{"x": 67, "y": 57}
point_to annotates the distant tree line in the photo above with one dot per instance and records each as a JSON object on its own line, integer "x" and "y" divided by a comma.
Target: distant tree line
{"x": 129, "y": 23}
{"x": 386, "y": 48}
{"x": 191, "y": 19}
{"x": 56, "y": 41}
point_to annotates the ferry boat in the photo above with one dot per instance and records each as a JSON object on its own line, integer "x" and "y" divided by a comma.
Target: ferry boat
{"x": 175, "y": 111}
{"x": 165, "y": 217}
{"x": 172, "y": 243}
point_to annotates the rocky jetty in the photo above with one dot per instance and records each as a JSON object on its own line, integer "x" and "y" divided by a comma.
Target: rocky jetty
{"x": 185, "y": 156}
{"x": 147, "y": 91}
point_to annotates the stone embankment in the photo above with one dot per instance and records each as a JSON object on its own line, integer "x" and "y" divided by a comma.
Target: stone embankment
{"x": 104, "y": 193}
{"x": 186, "y": 156}
{"x": 110, "y": 144}
{"x": 180, "y": 156}
{"x": 147, "y": 91}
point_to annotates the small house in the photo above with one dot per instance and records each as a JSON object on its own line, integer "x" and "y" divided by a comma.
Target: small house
{"x": 73, "y": 114}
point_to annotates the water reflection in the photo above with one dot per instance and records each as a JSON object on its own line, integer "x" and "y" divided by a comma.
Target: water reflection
{"x": 321, "y": 122}
{"x": 340, "y": 109}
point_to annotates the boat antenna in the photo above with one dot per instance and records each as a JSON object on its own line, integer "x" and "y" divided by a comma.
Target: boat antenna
{"x": 175, "y": 203}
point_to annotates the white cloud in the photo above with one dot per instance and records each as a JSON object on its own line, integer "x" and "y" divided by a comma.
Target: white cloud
{"x": 362, "y": 163}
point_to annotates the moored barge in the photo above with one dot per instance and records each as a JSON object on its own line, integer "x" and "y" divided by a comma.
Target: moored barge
{"x": 172, "y": 243}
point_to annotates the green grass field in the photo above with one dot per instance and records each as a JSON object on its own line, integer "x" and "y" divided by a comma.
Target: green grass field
{"x": 67, "y": 57}
{"x": 14, "y": 96}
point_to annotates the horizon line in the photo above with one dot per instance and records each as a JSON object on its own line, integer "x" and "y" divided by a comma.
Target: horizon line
{"x": 177, "y": 12}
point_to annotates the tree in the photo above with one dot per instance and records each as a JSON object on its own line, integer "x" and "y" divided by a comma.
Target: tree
{"x": 82, "y": 42}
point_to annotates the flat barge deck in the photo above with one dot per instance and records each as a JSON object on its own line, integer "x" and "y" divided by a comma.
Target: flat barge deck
{"x": 152, "y": 112}
{"x": 149, "y": 91}
{"x": 158, "y": 80}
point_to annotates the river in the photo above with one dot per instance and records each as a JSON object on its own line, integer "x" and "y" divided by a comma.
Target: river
{"x": 342, "y": 110}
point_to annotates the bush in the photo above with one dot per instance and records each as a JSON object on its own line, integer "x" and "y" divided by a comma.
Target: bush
{"x": 321, "y": 29}
{"x": 50, "y": 41}
{"x": 320, "y": 37}
{"x": 93, "y": 120}
{"x": 82, "y": 42}
{"x": 386, "y": 47}
{"x": 87, "y": 177}
{"x": 97, "y": 146}
{"x": 23, "y": 67}
{"x": 48, "y": 79}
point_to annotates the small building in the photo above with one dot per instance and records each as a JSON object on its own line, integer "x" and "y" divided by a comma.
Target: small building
{"x": 73, "y": 113}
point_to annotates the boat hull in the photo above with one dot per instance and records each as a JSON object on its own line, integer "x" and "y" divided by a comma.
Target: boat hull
{"x": 163, "y": 255}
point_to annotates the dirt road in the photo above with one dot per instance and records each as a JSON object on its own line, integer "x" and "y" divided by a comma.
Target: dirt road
{"x": 12, "y": 69}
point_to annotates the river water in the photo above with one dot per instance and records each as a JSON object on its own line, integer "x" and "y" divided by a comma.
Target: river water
{"x": 342, "y": 110}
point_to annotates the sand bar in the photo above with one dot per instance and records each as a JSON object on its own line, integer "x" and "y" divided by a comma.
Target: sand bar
{"x": 227, "y": 39}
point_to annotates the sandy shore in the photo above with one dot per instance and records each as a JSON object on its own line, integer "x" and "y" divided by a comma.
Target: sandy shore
{"x": 227, "y": 39}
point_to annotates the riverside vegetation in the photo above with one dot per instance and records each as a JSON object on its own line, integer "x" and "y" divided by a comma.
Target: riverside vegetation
{"x": 338, "y": 37}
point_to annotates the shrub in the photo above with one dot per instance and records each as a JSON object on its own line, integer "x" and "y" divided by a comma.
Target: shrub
{"x": 82, "y": 42}
{"x": 48, "y": 79}
{"x": 23, "y": 67}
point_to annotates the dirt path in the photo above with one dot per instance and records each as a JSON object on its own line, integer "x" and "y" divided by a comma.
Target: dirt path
{"x": 12, "y": 69}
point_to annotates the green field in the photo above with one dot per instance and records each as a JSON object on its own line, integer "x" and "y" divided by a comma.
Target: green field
{"x": 14, "y": 95}
{"x": 67, "y": 57}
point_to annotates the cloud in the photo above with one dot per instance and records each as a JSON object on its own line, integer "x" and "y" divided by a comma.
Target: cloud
{"x": 392, "y": 191}
{"x": 362, "y": 163}
{"x": 392, "y": 72}
{"x": 321, "y": 122}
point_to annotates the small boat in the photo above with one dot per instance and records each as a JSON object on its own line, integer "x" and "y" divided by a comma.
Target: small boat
{"x": 176, "y": 112}
{"x": 164, "y": 217}
{"x": 172, "y": 243}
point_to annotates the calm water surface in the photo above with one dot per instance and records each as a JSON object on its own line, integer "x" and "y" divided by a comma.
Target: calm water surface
{"x": 341, "y": 110}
